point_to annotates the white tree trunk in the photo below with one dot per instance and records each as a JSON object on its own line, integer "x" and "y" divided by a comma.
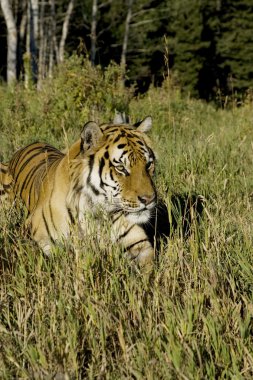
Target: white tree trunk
{"x": 54, "y": 51}
{"x": 42, "y": 51}
{"x": 65, "y": 28}
{"x": 93, "y": 31}
{"x": 27, "y": 54}
{"x": 11, "y": 41}
{"x": 126, "y": 35}
{"x": 34, "y": 20}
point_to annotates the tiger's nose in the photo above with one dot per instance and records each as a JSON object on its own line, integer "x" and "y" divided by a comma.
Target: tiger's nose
{"x": 147, "y": 198}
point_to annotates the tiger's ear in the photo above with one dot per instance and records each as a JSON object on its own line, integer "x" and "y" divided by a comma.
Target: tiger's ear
{"x": 91, "y": 135}
{"x": 144, "y": 125}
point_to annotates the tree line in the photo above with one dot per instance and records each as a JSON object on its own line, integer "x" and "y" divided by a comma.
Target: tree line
{"x": 206, "y": 46}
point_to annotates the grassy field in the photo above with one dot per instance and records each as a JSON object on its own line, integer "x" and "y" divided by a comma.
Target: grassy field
{"x": 89, "y": 314}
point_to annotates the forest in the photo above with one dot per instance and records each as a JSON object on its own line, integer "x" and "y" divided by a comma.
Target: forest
{"x": 206, "y": 46}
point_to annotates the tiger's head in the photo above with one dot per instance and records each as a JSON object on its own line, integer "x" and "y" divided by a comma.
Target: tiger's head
{"x": 120, "y": 168}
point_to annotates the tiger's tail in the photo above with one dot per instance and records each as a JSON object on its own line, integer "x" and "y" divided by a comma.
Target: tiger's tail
{"x": 5, "y": 182}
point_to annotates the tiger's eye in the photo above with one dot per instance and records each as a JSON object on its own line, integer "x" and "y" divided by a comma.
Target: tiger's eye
{"x": 121, "y": 169}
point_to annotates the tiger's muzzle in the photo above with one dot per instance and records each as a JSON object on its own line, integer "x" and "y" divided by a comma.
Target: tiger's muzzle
{"x": 147, "y": 199}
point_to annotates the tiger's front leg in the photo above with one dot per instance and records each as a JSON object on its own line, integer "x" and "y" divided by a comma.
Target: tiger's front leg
{"x": 138, "y": 247}
{"x": 142, "y": 252}
{"x": 48, "y": 227}
{"x": 135, "y": 242}
{"x": 39, "y": 234}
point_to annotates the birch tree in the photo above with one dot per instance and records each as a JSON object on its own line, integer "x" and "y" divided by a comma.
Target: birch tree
{"x": 65, "y": 28}
{"x": 32, "y": 33}
{"x": 12, "y": 41}
{"x": 126, "y": 35}
{"x": 125, "y": 40}
{"x": 93, "y": 31}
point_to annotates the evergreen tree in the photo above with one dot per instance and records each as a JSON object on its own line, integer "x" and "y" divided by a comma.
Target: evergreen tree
{"x": 209, "y": 74}
{"x": 235, "y": 45}
{"x": 187, "y": 44}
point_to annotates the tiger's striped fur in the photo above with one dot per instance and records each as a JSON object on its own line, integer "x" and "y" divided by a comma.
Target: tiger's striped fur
{"x": 107, "y": 171}
{"x": 5, "y": 181}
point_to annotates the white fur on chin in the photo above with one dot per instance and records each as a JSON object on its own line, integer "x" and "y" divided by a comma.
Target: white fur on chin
{"x": 138, "y": 217}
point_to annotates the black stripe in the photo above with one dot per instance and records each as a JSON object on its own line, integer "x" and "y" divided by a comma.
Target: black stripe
{"x": 3, "y": 170}
{"x": 118, "y": 217}
{"x": 78, "y": 154}
{"x": 132, "y": 245}
{"x": 125, "y": 233}
{"x": 151, "y": 153}
{"x": 91, "y": 164}
{"x": 53, "y": 149}
{"x": 117, "y": 138}
{"x": 102, "y": 183}
{"x": 32, "y": 189}
{"x": 112, "y": 129}
{"x": 71, "y": 217}
{"x": 35, "y": 198}
{"x": 6, "y": 187}
{"x": 51, "y": 155}
{"x": 27, "y": 161}
{"x": 121, "y": 146}
{"x": 111, "y": 174}
{"x": 2, "y": 192}
{"x": 14, "y": 162}
{"x": 51, "y": 214}
{"x": 46, "y": 225}
{"x": 77, "y": 188}
{"x": 29, "y": 176}
{"x": 124, "y": 152}
{"x": 32, "y": 172}
{"x": 18, "y": 155}
{"x": 101, "y": 166}
{"x": 95, "y": 191}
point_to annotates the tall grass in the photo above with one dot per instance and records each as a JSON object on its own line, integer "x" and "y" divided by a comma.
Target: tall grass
{"x": 86, "y": 312}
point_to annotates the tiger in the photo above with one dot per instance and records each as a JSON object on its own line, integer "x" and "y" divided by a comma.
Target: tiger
{"x": 108, "y": 172}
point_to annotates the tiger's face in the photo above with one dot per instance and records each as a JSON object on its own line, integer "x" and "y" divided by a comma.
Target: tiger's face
{"x": 121, "y": 171}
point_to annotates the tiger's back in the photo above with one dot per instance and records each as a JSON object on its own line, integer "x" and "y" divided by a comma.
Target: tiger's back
{"x": 30, "y": 168}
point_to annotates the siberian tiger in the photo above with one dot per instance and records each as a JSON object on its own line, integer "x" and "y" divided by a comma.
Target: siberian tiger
{"x": 108, "y": 171}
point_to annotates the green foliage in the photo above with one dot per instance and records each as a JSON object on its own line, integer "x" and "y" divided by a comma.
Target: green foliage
{"x": 77, "y": 93}
{"x": 86, "y": 312}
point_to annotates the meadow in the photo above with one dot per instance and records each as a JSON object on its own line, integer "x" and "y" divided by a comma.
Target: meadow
{"x": 88, "y": 313}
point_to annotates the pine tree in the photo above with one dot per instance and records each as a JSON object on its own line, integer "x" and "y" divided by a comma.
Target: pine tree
{"x": 235, "y": 45}
{"x": 186, "y": 39}
{"x": 209, "y": 74}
